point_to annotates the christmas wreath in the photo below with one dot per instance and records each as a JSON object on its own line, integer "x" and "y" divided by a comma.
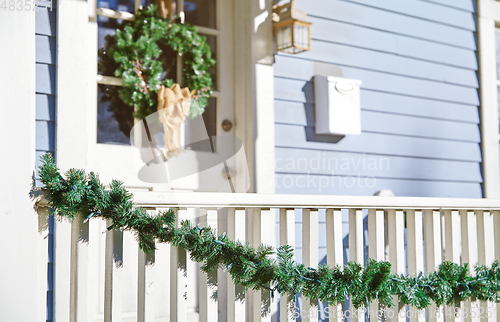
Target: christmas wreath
{"x": 143, "y": 54}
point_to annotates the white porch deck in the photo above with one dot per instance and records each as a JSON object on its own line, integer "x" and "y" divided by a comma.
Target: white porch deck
{"x": 106, "y": 277}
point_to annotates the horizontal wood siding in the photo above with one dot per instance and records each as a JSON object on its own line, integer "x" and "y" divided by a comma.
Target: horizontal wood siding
{"x": 45, "y": 56}
{"x": 45, "y": 42}
{"x": 394, "y": 22}
{"x": 419, "y": 101}
{"x": 383, "y": 41}
{"x": 428, "y": 11}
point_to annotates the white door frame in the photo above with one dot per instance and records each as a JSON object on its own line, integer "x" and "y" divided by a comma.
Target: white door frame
{"x": 254, "y": 89}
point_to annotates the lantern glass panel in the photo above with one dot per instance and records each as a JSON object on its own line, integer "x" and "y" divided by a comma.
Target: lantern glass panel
{"x": 284, "y": 37}
{"x": 301, "y": 36}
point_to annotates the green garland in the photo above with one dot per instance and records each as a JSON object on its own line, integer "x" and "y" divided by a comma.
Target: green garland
{"x": 256, "y": 268}
{"x": 143, "y": 54}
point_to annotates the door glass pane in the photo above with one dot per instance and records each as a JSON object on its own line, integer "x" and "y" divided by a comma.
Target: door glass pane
{"x": 201, "y": 13}
{"x": 114, "y": 117}
{"x": 105, "y": 27}
{"x": 118, "y": 5}
{"x": 212, "y": 42}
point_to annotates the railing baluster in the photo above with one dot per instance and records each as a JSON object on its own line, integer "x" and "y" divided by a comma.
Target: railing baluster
{"x": 235, "y": 231}
{"x": 433, "y": 254}
{"x": 396, "y": 226}
{"x": 486, "y": 254}
{"x": 178, "y": 276}
{"x": 162, "y": 280}
{"x": 334, "y": 252}
{"x": 376, "y": 234}
{"x": 42, "y": 258}
{"x": 146, "y": 287}
{"x": 415, "y": 237}
{"x": 208, "y": 305}
{"x": 287, "y": 237}
{"x": 112, "y": 275}
{"x": 310, "y": 245}
{"x": 356, "y": 252}
{"x": 264, "y": 223}
{"x": 452, "y": 253}
{"x": 469, "y": 255}
{"x": 376, "y": 248}
{"x": 79, "y": 270}
{"x": 452, "y": 232}
{"x": 62, "y": 251}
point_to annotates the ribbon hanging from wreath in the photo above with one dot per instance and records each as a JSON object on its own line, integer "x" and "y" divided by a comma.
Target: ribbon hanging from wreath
{"x": 143, "y": 54}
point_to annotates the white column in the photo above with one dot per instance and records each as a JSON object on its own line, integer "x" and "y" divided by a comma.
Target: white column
{"x": 489, "y": 107}
{"x": 21, "y": 287}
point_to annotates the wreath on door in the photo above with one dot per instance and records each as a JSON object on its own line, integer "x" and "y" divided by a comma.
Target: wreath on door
{"x": 143, "y": 54}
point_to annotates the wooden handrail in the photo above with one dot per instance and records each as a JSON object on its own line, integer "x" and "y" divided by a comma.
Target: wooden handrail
{"x": 253, "y": 200}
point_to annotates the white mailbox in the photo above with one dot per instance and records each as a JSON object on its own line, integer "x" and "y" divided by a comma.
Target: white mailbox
{"x": 337, "y": 105}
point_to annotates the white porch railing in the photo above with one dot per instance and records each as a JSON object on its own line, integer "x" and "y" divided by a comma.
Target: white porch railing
{"x": 106, "y": 277}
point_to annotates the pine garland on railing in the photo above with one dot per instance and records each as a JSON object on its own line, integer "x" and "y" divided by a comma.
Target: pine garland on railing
{"x": 256, "y": 268}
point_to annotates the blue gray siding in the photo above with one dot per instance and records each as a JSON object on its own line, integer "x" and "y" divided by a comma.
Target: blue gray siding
{"x": 419, "y": 100}
{"x": 45, "y": 33}
{"x": 419, "y": 104}
{"x": 45, "y": 42}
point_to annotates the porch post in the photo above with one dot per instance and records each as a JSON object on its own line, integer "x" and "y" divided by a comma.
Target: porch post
{"x": 23, "y": 290}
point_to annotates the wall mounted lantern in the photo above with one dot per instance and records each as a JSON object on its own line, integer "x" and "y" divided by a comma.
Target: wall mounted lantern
{"x": 291, "y": 29}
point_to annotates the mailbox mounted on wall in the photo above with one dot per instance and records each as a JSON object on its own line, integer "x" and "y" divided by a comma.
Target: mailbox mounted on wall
{"x": 337, "y": 105}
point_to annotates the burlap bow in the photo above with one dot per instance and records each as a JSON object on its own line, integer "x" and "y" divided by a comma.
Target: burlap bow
{"x": 173, "y": 108}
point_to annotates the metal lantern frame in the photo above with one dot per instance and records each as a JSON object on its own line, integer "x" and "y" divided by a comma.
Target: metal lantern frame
{"x": 288, "y": 16}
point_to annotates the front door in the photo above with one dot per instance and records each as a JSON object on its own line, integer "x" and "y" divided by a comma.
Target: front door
{"x": 119, "y": 149}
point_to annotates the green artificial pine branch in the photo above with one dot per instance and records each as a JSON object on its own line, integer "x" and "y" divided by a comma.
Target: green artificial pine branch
{"x": 255, "y": 268}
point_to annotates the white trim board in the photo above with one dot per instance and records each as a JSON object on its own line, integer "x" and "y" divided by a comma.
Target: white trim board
{"x": 488, "y": 16}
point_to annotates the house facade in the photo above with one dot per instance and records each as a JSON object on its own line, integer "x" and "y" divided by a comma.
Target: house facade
{"x": 428, "y": 108}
